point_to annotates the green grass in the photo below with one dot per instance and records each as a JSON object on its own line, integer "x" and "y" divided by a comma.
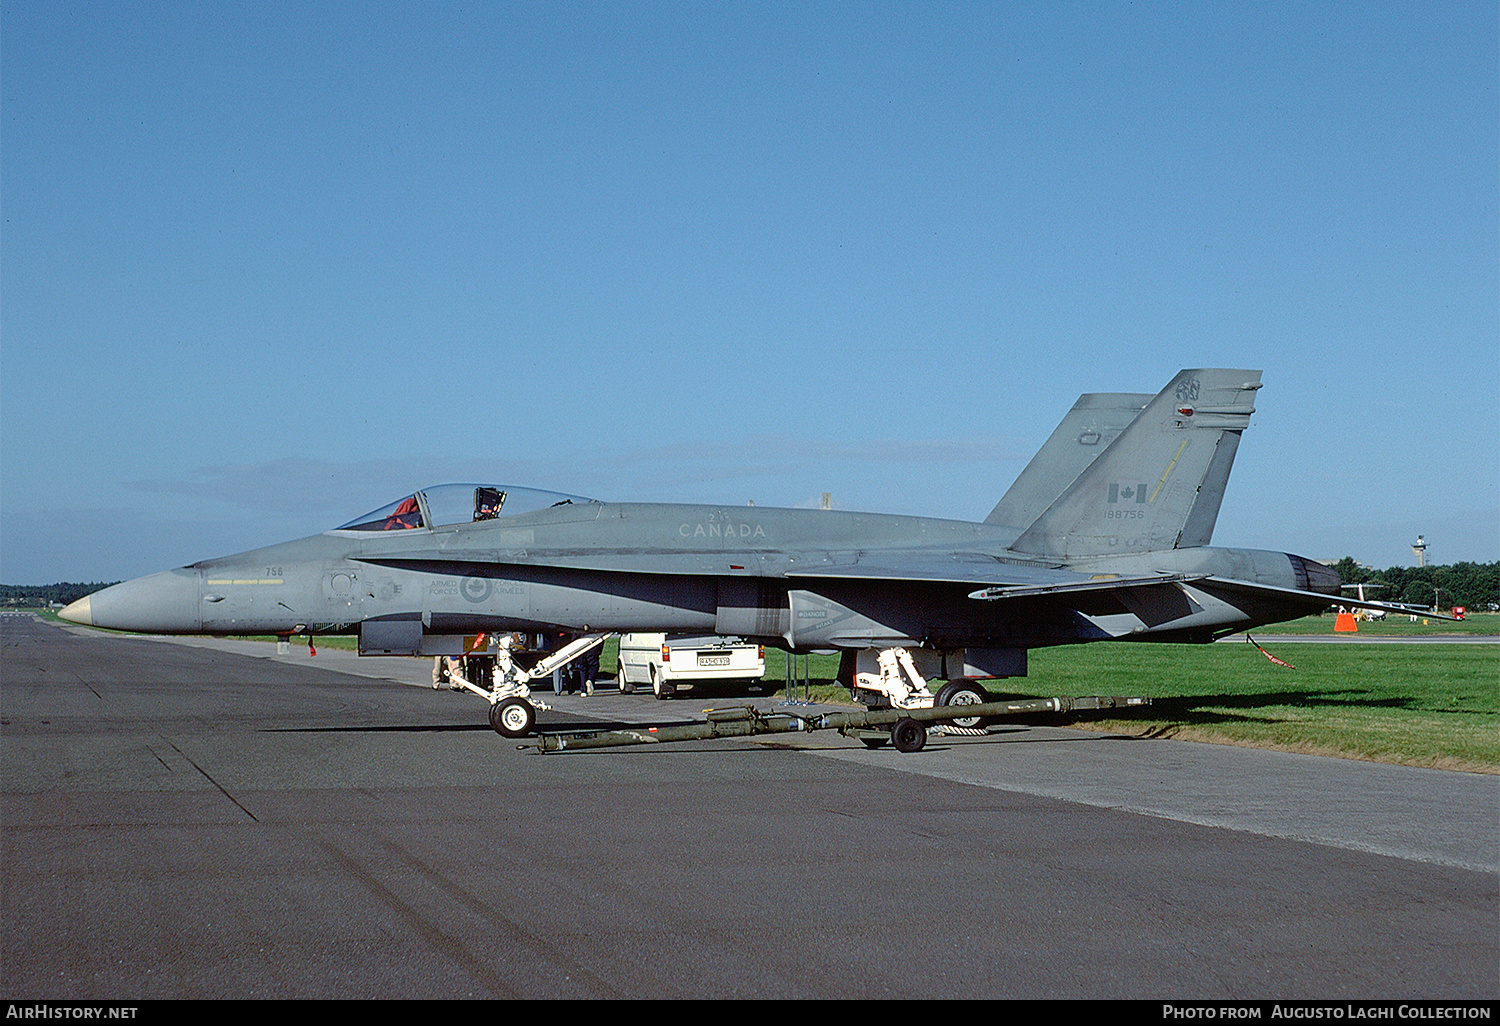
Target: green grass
{"x": 1420, "y": 705}
{"x": 1393, "y": 626}
{"x": 1429, "y": 705}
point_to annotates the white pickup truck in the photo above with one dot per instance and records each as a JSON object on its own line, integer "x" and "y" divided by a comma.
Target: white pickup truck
{"x": 664, "y": 661}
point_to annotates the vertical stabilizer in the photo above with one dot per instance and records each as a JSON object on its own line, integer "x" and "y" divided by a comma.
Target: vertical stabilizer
{"x": 1160, "y": 483}
{"x": 1088, "y": 429}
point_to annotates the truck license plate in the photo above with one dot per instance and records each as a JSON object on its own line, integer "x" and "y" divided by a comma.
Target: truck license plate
{"x": 705, "y": 659}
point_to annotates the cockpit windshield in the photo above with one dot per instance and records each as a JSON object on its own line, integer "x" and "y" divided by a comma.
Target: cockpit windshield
{"x": 401, "y": 515}
{"x": 458, "y": 504}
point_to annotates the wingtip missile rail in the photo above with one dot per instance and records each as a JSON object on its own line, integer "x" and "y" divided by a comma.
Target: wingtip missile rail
{"x": 905, "y": 729}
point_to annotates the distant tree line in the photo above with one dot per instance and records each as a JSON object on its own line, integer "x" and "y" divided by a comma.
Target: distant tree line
{"x": 1472, "y": 585}
{"x": 46, "y": 594}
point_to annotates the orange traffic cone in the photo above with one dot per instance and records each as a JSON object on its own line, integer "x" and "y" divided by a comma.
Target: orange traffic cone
{"x": 1345, "y": 622}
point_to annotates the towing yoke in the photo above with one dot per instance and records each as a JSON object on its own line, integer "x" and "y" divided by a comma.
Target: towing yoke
{"x": 906, "y": 729}
{"x": 899, "y": 707}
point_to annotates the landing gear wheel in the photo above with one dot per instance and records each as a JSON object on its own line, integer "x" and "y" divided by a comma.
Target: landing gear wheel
{"x": 514, "y": 717}
{"x": 964, "y": 692}
{"x": 909, "y": 735}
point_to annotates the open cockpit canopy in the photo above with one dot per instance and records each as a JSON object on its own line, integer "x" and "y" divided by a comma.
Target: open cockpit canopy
{"x": 445, "y": 505}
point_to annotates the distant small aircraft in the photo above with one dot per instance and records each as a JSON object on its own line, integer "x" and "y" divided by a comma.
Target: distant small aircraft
{"x": 1359, "y": 592}
{"x": 1104, "y": 536}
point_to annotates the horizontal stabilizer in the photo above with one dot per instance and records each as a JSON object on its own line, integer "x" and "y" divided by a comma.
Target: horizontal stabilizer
{"x": 1318, "y": 600}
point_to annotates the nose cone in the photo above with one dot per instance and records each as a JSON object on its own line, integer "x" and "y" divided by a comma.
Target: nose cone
{"x": 80, "y": 611}
{"x": 164, "y": 603}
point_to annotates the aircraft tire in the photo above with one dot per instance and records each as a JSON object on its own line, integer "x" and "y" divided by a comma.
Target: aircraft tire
{"x": 514, "y": 717}
{"x": 964, "y": 692}
{"x": 909, "y": 735}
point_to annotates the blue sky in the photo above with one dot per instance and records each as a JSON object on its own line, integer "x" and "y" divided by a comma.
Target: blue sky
{"x": 268, "y": 266}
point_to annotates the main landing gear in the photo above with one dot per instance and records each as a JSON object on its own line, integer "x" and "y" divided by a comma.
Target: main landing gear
{"x": 899, "y": 685}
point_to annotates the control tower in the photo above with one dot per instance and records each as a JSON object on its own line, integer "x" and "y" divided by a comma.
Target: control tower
{"x": 1419, "y": 550}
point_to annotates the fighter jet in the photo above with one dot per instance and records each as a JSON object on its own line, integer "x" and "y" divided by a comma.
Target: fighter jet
{"x": 1103, "y": 537}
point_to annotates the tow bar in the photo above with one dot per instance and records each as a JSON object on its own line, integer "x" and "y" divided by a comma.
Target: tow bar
{"x": 905, "y": 729}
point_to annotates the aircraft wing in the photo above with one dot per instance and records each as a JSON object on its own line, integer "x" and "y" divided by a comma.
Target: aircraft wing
{"x": 992, "y": 578}
{"x": 1002, "y": 580}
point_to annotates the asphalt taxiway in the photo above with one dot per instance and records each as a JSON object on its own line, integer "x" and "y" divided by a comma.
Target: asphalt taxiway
{"x": 211, "y": 819}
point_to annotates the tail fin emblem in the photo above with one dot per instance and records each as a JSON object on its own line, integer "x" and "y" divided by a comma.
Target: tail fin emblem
{"x": 1136, "y": 492}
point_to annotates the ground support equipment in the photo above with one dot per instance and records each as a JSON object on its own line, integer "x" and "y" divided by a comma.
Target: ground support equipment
{"x": 906, "y": 729}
